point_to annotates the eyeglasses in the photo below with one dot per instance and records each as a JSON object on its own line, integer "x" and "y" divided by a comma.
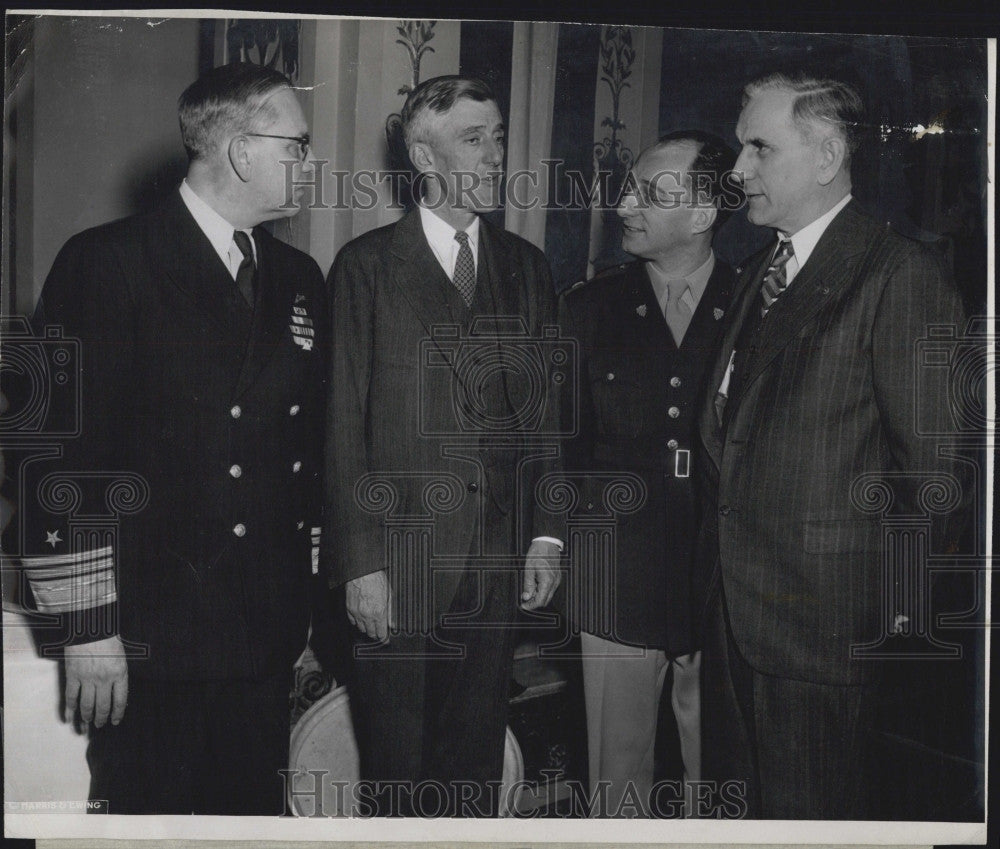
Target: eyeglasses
{"x": 302, "y": 140}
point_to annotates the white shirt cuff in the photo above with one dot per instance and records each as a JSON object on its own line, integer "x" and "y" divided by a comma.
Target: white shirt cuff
{"x": 553, "y": 540}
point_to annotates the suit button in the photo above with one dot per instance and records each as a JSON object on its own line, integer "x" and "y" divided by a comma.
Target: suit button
{"x": 473, "y": 487}
{"x": 675, "y": 382}
{"x": 672, "y": 444}
{"x": 240, "y": 530}
{"x": 673, "y": 412}
{"x": 611, "y": 375}
{"x": 293, "y": 410}
{"x": 235, "y": 471}
{"x": 724, "y": 510}
{"x": 297, "y": 465}
{"x": 236, "y": 412}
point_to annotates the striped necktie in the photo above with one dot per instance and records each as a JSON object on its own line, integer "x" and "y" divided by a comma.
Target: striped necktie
{"x": 776, "y": 276}
{"x": 465, "y": 269}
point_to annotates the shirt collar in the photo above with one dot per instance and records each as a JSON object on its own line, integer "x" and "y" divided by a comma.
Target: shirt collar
{"x": 214, "y": 226}
{"x": 694, "y": 283}
{"x": 805, "y": 241}
{"x": 441, "y": 235}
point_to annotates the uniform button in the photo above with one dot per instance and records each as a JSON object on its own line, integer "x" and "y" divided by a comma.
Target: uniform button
{"x": 300, "y": 525}
{"x": 296, "y": 465}
{"x": 473, "y": 487}
{"x": 611, "y": 375}
{"x": 240, "y": 530}
{"x": 235, "y": 471}
{"x": 675, "y": 382}
{"x": 590, "y": 505}
{"x": 236, "y": 412}
{"x": 672, "y": 444}
{"x": 724, "y": 510}
{"x": 293, "y": 410}
{"x": 673, "y": 412}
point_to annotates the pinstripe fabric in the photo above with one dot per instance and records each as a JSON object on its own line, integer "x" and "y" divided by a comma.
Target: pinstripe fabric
{"x": 827, "y": 392}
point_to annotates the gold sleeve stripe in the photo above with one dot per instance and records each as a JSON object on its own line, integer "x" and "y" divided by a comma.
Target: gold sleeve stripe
{"x": 65, "y": 583}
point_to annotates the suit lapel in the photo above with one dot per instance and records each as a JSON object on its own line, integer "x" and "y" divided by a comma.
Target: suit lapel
{"x": 744, "y": 298}
{"x": 418, "y": 274}
{"x": 829, "y": 268}
{"x": 502, "y": 280}
{"x": 498, "y": 296}
{"x": 641, "y": 312}
{"x": 186, "y": 256}
{"x": 707, "y": 319}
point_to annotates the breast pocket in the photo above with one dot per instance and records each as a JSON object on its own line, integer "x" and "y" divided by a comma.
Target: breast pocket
{"x": 620, "y": 403}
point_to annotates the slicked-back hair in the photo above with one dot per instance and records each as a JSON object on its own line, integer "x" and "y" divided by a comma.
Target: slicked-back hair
{"x": 817, "y": 100}
{"x": 438, "y": 95}
{"x": 225, "y": 101}
{"x": 711, "y": 171}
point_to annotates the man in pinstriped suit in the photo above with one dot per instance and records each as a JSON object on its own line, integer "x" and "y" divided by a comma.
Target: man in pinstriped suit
{"x": 814, "y": 387}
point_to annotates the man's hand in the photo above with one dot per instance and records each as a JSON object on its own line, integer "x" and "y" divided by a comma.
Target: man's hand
{"x": 369, "y": 605}
{"x": 97, "y": 681}
{"x": 541, "y": 574}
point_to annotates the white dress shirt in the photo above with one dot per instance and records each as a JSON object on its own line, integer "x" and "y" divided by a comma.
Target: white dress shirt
{"x": 217, "y": 229}
{"x": 803, "y": 244}
{"x": 441, "y": 237}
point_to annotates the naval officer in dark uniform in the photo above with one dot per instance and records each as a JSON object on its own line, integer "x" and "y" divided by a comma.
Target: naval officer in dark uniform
{"x": 173, "y": 540}
{"x": 647, "y": 332}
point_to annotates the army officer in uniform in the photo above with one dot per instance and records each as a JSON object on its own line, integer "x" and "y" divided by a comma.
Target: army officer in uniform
{"x": 647, "y": 331}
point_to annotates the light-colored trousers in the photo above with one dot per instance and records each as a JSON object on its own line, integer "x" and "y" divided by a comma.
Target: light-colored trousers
{"x": 622, "y": 687}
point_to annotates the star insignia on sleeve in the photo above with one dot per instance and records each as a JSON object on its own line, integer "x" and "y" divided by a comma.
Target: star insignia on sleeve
{"x": 52, "y": 538}
{"x": 641, "y": 310}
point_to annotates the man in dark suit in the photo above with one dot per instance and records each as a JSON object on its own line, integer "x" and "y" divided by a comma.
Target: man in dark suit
{"x": 648, "y": 331}
{"x": 202, "y": 392}
{"x": 430, "y": 467}
{"x": 813, "y": 412}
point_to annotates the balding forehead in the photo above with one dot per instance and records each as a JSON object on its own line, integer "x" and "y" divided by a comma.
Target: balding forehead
{"x": 677, "y": 155}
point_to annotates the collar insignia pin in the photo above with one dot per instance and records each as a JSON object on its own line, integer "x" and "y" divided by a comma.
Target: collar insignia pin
{"x": 718, "y": 313}
{"x": 641, "y": 310}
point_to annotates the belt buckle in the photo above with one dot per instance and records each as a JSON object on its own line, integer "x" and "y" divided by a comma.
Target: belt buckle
{"x": 682, "y": 463}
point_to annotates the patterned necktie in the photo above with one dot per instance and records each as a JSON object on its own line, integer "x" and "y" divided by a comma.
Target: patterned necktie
{"x": 245, "y": 273}
{"x": 776, "y": 277}
{"x": 465, "y": 269}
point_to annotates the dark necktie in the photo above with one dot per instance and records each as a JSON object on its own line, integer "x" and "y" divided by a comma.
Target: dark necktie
{"x": 776, "y": 276}
{"x": 465, "y": 269}
{"x": 245, "y": 273}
